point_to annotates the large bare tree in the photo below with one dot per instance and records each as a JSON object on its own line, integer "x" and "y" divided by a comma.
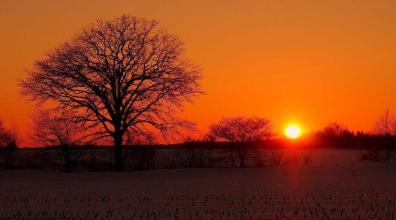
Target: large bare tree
{"x": 121, "y": 75}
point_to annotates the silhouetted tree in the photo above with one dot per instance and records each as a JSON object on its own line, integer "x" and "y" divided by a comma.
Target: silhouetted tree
{"x": 122, "y": 75}
{"x": 242, "y": 131}
{"x": 57, "y": 129}
{"x": 385, "y": 124}
{"x": 8, "y": 145}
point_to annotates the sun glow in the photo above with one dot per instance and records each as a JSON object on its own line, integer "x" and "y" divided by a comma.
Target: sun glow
{"x": 292, "y": 131}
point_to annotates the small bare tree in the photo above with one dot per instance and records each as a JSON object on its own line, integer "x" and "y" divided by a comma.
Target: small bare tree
{"x": 385, "y": 124}
{"x": 122, "y": 76}
{"x": 57, "y": 129}
{"x": 241, "y": 131}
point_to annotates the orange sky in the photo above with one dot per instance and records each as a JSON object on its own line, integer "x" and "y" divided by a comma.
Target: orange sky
{"x": 312, "y": 62}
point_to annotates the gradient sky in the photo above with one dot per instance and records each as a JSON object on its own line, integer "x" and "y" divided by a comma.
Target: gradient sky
{"x": 312, "y": 62}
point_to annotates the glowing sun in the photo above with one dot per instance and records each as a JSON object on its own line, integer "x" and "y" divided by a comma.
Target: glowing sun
{"x": 293, "y": 131}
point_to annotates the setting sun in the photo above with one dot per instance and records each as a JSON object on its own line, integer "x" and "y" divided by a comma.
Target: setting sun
{"x": 293, "y": 131}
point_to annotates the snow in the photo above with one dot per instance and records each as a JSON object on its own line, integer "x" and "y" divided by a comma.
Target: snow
{"x": 336, "y": 185}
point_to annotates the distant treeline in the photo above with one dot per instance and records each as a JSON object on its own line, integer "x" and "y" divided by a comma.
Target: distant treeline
{"x": 356, "y": 140}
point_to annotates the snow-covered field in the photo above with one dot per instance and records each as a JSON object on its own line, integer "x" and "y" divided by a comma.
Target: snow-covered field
{"x": 336, "y": 185}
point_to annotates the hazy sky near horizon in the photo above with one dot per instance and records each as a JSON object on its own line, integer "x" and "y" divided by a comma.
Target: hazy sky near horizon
{"x": 312, "y": 62}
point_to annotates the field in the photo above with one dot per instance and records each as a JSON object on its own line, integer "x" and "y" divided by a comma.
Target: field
{"x": 336, "y": 185}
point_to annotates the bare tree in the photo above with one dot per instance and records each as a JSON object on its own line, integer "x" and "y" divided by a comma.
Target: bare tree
{"x": 121, "y": 76}
{"x": 241, "y": 131}
{"x": 385, "y": 124}
{"x": 57, "y": 129}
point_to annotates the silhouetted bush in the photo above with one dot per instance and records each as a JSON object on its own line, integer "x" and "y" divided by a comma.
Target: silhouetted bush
{"x": 8, "y": 145}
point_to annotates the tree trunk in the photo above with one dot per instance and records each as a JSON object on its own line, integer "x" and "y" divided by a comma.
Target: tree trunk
{"x": 66, "y": 155}
{"x": 118, "y": 152}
